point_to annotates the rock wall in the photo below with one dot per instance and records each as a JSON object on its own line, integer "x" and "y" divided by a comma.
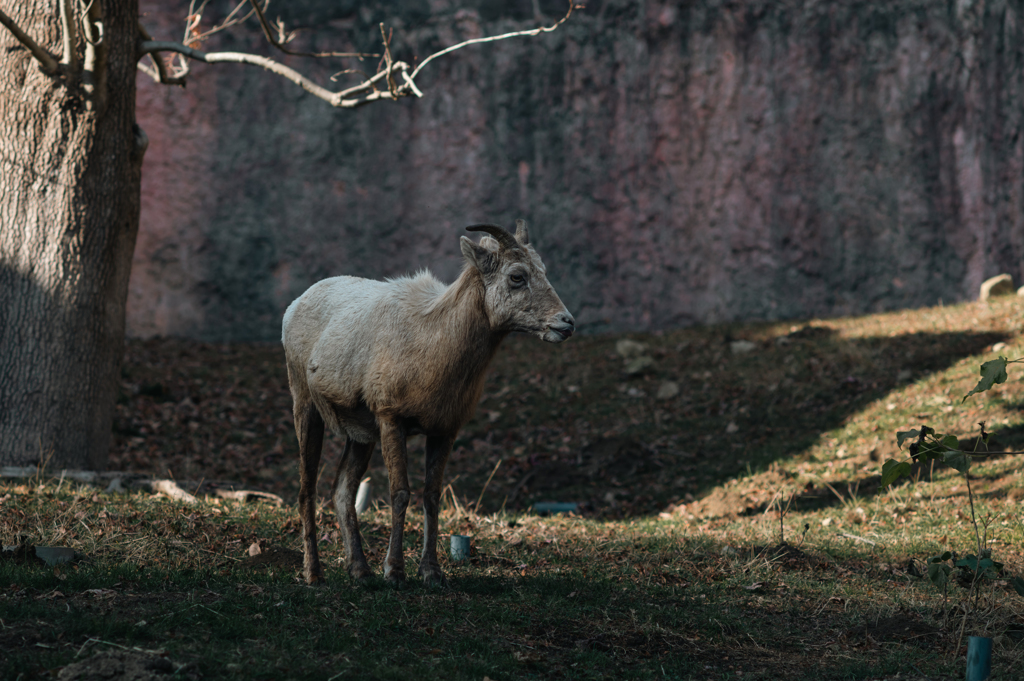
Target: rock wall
{"x": 679, "y": 162}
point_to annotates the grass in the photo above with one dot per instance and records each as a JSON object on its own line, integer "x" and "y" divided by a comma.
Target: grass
{"x": 734, "y": 530}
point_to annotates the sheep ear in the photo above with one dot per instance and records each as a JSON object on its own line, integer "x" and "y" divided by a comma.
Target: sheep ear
{"x": 481, "y": 258}
{"x": 522, "y": 233}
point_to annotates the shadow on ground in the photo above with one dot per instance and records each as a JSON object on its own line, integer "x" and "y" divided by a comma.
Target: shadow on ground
{"x": 566, "y": 423}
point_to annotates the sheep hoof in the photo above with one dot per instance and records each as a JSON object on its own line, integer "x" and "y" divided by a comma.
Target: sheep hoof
{"x": 433, "y": 577}
{"x": 360, "y": 572}
{"x": 395, "y": 576}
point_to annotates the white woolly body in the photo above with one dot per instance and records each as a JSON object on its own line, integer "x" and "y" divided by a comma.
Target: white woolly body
{"x": 352, "y": 332}
{"x": 382, "y": 360}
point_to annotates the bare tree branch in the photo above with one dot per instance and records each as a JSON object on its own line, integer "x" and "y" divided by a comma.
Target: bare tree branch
{"x": 342, "y": 99}
{"x": 357, "y": 95}
{"x": 192, "y": 34}
{"x": 279, "y": 42}
{"x": 158, "y": 71}
{"x": 45, "y": 59}
{"x": 69, "y": 35}
{"x": 493, "y": 38}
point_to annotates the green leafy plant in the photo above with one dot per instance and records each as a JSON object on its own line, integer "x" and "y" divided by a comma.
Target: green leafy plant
{"x": 925, "y": 444}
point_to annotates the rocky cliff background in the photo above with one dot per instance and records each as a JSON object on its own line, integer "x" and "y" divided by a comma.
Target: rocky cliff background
{"x": 679, "y": 162}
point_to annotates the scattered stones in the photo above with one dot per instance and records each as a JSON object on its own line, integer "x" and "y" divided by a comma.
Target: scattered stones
{"x": 635, "y": 354}
{"x": 638, "y": 365}
{"x": 1000, "y": 285}
{"x": 741, "y": 347}
{"x": 630, "y": 349}
{"x": 667, "y": 390}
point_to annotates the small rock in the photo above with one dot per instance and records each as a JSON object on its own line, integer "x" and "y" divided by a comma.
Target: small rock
{"x": 998, "y": 346}
{"x": 115, "y": 487}
{"x": 1000, "y": 285}
{"x": 741, "y": 347}
{"x": 667, "y": 390}
{"x": 732, "y": 428}
{"x": 638, "y": 365}
{"x": 629, "y": 349}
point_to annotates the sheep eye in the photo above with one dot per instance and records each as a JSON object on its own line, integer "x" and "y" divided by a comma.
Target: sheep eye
{"x": 517, "y": 278}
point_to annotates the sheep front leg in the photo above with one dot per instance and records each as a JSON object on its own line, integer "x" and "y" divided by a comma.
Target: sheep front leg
{"x": 346, "y": 483}
{"x": 392, "y": 445}
{"x": 309, "y": 427}
{"x": 438, "y": 449}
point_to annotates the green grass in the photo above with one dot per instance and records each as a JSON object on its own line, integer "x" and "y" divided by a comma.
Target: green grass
{"x": 675, "y": 569}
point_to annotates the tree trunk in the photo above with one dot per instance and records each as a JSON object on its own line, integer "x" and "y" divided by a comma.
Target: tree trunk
{"x": 69, "y": 214}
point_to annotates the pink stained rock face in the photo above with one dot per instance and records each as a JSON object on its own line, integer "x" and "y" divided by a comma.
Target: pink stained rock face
{"x": 677, "y": 165}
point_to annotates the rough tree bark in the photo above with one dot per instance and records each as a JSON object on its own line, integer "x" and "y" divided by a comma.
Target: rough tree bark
{"x": 70, "y": 160}
{"x": 70, "y": 185}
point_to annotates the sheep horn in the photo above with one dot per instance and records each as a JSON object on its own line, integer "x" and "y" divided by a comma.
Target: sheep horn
{"x": 503, "y": 236}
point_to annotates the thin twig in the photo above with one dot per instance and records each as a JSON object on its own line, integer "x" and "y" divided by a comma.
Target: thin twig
{"x": 481, "y": 497}
{"x": 856, "y": 538}
{"x": 503, "y": 36}
{"x": 279, "y": 44}
{"x": 44, "y": 58}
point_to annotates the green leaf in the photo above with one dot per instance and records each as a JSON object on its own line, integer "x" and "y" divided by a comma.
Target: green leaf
{"x": 938, "y": 573}
{"x": 957, "y": 460}
{"x": 931, "y": 449}
{"x": 1018, "y": 585}
{"x": 904, "y": 435}
{"x": 992, "y": 372}
{"x": 893, "y": 470}
{"x": 939, "y": 559}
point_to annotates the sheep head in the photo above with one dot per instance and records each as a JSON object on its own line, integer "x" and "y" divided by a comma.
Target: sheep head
{"x": 518, "y": 296}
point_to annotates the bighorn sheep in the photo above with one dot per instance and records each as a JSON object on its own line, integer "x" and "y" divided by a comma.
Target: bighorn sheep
{"x": 385, "y": 360}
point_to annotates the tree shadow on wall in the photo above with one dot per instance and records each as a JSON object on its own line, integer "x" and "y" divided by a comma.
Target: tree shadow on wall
{"x": 734, "y": 413}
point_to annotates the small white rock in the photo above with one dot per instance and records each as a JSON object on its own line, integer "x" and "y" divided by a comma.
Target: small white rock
{"x": 667, "y": 390}
{"x": 628, "y": 349}
{"x": 732, "y": 428}
{"x": 638, "y": 365}
{"x": 741, "y": 347}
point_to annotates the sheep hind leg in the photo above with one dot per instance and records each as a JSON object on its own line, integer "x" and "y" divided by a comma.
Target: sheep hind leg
{"x": 438, "y": 449}
{"x": 309, "y": 427}
{"x": 351, "y": 468}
